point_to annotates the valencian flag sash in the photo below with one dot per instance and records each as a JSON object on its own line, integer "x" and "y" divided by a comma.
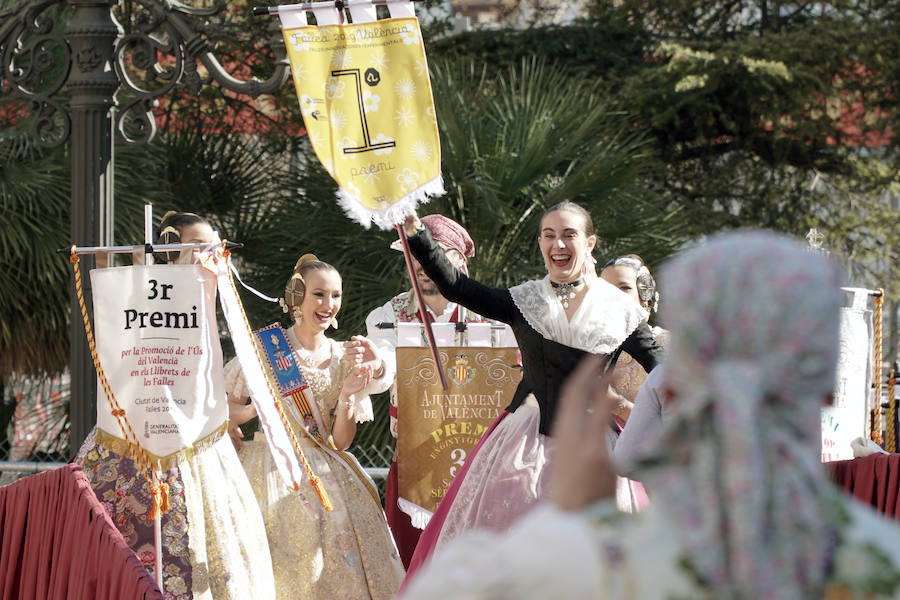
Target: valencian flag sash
{"x": 367, "y": 106}
{"x": 278, "y": 351}
{"x": 288, "y": 375}
{"x": 264, "y": 391}
{"x": 292, "y": 385}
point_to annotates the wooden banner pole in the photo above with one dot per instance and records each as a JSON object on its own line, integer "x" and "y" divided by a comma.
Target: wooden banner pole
{"x": 423, "y": 314}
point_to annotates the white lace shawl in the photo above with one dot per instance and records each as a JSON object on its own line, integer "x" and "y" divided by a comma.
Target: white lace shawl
{"x": 606, "y": 317}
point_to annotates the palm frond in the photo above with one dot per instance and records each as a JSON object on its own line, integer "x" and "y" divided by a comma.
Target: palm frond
{"x": 34, "y": 199}
{"x": 519, "y": 142}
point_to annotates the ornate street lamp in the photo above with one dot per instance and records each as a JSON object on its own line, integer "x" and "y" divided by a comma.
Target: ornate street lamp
{"x": 71, "y": 82}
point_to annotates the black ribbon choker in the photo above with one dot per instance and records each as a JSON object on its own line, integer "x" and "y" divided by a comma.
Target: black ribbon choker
{"x": 565, "y": 291}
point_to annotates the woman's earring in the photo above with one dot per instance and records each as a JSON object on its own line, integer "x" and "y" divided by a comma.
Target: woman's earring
{"x": 590, "y": 264}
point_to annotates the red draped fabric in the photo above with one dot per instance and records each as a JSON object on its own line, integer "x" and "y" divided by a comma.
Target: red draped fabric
{"x": 405, "y": 535}
{"x": 57, "y": 542}
{"x": 873, "y": 479}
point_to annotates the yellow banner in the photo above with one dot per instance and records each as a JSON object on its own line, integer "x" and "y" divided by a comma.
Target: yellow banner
{"x": 437, "y": 429}
{"x": 366, "y": 101}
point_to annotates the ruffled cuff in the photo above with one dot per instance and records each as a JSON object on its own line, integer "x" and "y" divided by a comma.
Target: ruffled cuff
{"x": 360, "y": 409}
{"x": 235, "y": 385}
{"x": 386, "y": 377}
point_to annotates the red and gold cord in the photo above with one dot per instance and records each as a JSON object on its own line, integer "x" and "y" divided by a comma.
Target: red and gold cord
{"x": 159, "y": 490}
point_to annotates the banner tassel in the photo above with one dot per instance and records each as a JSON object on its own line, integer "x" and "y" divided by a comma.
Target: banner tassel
{"x": 321, "y": 493}
{"x": 160, "y": 494}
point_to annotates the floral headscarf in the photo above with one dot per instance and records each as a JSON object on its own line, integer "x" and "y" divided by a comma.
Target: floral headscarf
{"x": 754, "y": 344}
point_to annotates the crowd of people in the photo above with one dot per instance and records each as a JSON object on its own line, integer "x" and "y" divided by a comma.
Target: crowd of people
{"x": 708, "y": 429}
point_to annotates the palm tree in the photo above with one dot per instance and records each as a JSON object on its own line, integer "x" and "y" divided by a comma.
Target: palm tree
{"x": 512, "y": 146}
{"x": 517, "y": 142}
{"x": 34, "y": 279}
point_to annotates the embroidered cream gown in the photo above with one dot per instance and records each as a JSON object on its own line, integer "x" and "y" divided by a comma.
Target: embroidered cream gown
{"x": 345, "y": 553}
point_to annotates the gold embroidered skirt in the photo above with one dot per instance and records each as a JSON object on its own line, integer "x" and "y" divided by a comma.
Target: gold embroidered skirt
{"x": 345, "y": 553}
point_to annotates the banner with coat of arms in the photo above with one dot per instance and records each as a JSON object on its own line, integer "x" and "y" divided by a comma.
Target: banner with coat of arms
{"x": 366, "y": 101}
{"x": 437, "y": 428}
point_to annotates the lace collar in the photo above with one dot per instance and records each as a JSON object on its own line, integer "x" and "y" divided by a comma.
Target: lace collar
{"x": 606, "y": 317}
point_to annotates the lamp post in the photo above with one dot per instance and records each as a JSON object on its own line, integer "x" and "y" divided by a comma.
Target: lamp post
{"x": 96, "y": 60}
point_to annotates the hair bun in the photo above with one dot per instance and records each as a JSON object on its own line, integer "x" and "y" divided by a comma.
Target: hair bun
{"x": 305, "y": 259}
{"x": 169, "y": 235}
{"x": 166, "y": 216}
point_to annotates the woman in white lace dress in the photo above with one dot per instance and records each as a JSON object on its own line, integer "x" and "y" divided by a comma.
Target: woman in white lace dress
{"x": 212, "y": 542}
{"x": 557, "y": 320}
{"x": 347, "y": 552}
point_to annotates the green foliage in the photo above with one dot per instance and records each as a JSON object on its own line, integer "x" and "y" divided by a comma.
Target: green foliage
{"x": 601, "y": 51}
{"x": 667, "y": 120}
{"x": 35, "y": 280}
{"x": 518, "y": 141}
{"x": 34, "y": 222}
{"x": 746, "y": 106}
{"x": 511, "y": 148}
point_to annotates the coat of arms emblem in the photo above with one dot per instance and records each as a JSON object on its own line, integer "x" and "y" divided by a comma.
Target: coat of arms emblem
{"x": 283, "y": 360}
{"x": 280, "y": 360}
{"x": 460, "y": 372}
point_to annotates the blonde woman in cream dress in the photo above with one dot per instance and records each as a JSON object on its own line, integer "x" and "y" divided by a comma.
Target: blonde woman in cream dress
{"x": 347, "y": 552}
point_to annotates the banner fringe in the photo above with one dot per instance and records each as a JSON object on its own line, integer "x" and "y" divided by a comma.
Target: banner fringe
{"x": 418, "y": 516}
{"x": 389, "y": 217}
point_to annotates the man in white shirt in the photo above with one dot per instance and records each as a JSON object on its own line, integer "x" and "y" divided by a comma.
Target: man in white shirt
{"x": 381, "y": 328}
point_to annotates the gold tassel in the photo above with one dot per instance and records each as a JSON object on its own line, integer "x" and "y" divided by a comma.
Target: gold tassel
{"x": 164, "y": 504}
{"x": 321, "y": 493}
{"x": 154, "y": 508}
{"x": 161, "y": 502}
